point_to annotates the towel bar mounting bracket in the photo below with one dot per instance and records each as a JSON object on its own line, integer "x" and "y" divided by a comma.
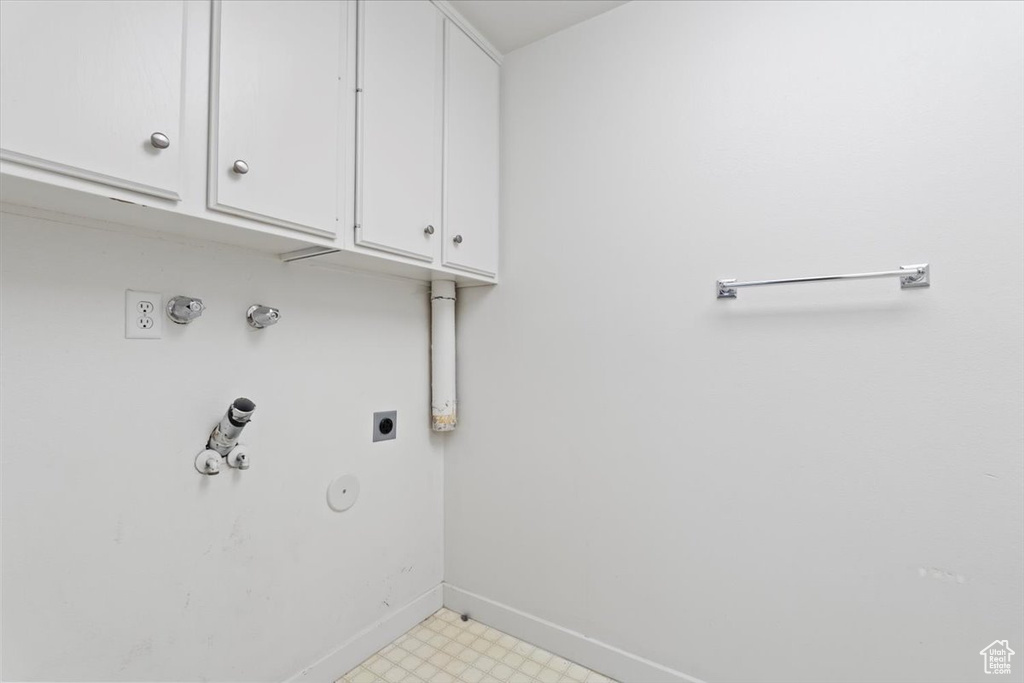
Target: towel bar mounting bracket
{"x": 920, "y": 276}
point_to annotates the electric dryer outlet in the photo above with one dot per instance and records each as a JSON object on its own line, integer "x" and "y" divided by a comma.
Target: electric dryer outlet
{"x": 385, "y": 425}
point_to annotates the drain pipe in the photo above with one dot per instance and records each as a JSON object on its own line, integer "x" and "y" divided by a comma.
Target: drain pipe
{"x": 225, "y": 435}
{"x": 442, "y": 355}
{"x": 223, "y": 439}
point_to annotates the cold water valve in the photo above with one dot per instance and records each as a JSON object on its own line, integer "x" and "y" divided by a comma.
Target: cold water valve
{"x": 260, "y": 316}
{"x": 223, "y": 441}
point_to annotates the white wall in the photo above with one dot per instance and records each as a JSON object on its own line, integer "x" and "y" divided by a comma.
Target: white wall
{"x": 121, "y": 562}
{"x": 817, "y": 483}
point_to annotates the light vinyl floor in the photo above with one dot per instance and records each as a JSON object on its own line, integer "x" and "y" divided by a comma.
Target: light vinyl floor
{"x": 445, "y": 649}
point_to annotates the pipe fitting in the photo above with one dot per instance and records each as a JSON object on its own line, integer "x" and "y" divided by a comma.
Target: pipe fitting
{"x": 208, "y": 462}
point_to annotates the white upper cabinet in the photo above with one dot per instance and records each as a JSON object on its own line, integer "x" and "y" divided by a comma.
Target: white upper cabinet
{"x": 398, "y": 188}
{"x": 359, "y": 133}
{"x": 472, "y": 82}
{"x": 278, "y": 76}
{"x": 93, "y": 90}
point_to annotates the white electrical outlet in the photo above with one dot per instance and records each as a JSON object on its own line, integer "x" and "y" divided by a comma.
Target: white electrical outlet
{"x": 143, "y": 315}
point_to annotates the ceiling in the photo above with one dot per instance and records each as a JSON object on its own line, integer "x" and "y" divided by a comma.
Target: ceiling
{"x": 511, "y": 24}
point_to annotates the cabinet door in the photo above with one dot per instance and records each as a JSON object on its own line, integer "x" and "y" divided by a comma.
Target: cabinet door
{"x": 277, "y": 74}
{"x": 471, "y": 155}
{"x": 400, "y": 117}
{"x": 94, "y": 90}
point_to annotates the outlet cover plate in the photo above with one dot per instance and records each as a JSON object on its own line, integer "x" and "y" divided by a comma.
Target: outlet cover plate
{"x": 385, "y": 425}
{"x": 143, "y": 315}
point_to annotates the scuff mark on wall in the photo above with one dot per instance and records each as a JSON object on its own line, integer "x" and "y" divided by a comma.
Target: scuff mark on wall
{"x": 389, "y": 582}
{"x": 142, "y": 649}
{"x": 943, "y": 575}
{"x": 236, "y": 537}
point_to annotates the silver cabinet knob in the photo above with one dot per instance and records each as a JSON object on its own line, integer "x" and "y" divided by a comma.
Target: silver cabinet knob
{"x": 159, "y": 140}
{"x": 429, "y": 229}
{"x": 457, "y": 239}
{"x": 240, "y": 167}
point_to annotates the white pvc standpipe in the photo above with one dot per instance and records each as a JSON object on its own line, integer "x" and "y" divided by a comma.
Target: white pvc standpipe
{"x": 442, "y": 356}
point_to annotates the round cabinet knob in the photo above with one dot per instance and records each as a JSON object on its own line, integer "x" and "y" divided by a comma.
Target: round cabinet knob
{"x": 159, "y": 140}
{"x": 429, "y": 229}
{"x": 240, "y": 167}
{"x": 457, "y": 239}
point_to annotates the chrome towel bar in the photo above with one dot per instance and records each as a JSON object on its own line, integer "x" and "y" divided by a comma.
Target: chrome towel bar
{"x": 910, "y": 277}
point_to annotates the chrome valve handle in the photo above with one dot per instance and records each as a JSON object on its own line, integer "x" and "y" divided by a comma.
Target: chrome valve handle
{"x": 184, "y": 309}
{"x": 260, "y": 316}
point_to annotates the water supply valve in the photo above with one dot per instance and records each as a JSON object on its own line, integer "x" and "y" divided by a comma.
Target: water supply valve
{"x": 260, "y": 316}
{"x": 184, "y": 309}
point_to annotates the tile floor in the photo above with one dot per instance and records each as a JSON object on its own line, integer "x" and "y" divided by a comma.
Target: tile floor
{"x": 445, "y": 649}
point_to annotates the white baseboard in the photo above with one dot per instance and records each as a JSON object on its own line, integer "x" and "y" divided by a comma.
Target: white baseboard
{"x": 370, "y": 640}
{"x": 593, "y": 654}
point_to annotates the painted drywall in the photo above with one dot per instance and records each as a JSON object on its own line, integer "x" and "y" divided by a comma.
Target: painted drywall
{"x": 816, "y": 483}
{"x": 120, "y": 561}
{"x": 511, "y": 25}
